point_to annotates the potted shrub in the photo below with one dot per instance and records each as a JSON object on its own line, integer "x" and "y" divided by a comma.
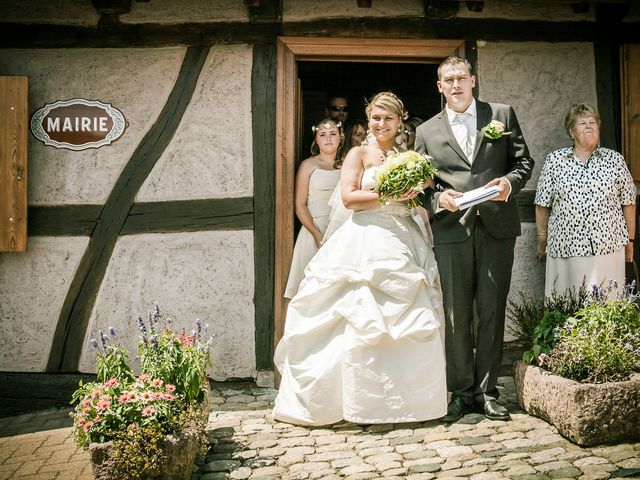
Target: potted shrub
{"x": 581, "y": 370}
{"x": 149, "y": 425}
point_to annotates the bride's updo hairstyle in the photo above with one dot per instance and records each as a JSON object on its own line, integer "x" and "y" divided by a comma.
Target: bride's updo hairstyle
{"x": 388, "y": 101}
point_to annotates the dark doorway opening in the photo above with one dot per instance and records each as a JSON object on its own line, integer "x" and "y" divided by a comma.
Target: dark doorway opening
{"x": 414, "y": 83}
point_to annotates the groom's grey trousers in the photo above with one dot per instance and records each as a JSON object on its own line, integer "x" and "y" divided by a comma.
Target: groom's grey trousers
{"x": 479, "y": 269}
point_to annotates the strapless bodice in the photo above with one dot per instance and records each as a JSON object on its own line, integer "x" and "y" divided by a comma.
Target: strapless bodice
{"x": 321, "y": 186}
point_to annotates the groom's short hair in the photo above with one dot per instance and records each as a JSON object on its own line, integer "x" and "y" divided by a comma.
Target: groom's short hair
{"x": 454, "y": 60}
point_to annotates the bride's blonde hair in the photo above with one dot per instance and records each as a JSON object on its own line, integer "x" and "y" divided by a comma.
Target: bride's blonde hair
{"x": 388, "y": 101}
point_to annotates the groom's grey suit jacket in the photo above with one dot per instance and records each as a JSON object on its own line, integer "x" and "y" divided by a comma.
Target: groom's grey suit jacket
{"x": 507, "y": 156}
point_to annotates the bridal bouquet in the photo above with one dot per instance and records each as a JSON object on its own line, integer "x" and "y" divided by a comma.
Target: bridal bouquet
{"x": 400, "y": 172}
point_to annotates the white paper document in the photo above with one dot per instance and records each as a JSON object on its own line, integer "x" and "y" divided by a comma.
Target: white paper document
{"x": 478, "y": 195}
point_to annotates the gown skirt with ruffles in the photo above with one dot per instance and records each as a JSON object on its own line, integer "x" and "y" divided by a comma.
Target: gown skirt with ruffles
{"x": 364, "y": 335}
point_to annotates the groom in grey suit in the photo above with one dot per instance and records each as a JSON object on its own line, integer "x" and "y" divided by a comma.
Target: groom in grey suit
{"x": 473, "y": 247}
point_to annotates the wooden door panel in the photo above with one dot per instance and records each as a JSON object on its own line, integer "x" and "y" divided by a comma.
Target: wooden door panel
{"x": 13, "y": 163}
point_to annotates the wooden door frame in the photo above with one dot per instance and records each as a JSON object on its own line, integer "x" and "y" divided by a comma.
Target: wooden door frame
{"x": 289, "y": 51}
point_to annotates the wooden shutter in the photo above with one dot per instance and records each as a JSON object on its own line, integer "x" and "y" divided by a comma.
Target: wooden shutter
{"x": 630, "y": 90}
{"x": 14, "y": 128}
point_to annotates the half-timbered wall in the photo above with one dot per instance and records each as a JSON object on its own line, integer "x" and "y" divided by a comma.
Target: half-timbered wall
{"x": 181, "y": 208}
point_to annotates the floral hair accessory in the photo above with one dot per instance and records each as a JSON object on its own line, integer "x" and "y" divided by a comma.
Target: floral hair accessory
{"x": 494, "y": 130}
{"x": 314, "y": 129}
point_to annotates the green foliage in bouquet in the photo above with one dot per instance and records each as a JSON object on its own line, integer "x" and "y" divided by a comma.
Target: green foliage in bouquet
{"x": 136, "y": 412}
{"x": 402, "y": 171}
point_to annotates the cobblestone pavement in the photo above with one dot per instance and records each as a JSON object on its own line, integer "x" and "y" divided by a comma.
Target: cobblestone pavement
{"x": 245, "y": 443}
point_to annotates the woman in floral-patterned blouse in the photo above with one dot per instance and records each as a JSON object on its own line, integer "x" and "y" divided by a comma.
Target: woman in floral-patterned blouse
{"x": 585, "y": 209}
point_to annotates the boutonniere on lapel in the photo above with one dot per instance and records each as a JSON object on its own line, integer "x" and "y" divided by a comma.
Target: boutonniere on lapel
{"x": 494, "y": 130}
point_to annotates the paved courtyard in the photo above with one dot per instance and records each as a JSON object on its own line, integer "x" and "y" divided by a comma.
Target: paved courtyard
{"x": 245, "y": 443}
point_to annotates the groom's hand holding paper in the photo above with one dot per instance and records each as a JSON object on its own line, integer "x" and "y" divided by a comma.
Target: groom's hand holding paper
{"x": 478, "y": 195}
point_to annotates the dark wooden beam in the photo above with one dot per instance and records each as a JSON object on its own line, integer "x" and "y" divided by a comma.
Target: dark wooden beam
{"x": 63, "y": 220}
{"x": 198, "y": 34}
{"x": 190, "y": 216}
{"x": 263, "y": 104}
{"x": 120, "y": 35}
{"x": 76, "y": 310}
{"x": 467, "y": 29}
{"x": 607, "y": 60}
{"x": 25, "y": 392}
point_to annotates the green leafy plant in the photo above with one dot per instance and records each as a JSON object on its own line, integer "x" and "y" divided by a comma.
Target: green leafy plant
{"x": 136, "y": 411}
{"x": 585, "y": 335}
{"x": 526, "y": 313}
{"x": 601, "y": 343}
{"x": 544, "y": 336}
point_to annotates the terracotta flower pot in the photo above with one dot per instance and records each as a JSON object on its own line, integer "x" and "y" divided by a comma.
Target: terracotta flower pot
{"x": 585, "y": 413}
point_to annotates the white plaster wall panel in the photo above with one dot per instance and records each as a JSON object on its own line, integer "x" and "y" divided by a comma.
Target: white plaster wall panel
{"x": 205, "y": 275}
{"x": 541, "y": 81}
{"x": 136, "y": 81}
{"x": 545, "y": 12}
{"x": 33, "y": 286}
{"x": 528, "y": 273}
{"x": 306, "y": 10}
{"x": 67, "y": 12}
{"x": 210, "y": 155}
{"x": 186, "y": 11}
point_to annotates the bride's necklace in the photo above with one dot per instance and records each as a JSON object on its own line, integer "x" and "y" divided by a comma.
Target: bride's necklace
{"x": 384, "y": 152}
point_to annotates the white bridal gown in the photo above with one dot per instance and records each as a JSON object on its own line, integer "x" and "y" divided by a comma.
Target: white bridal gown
{"x": 364, "y": 335}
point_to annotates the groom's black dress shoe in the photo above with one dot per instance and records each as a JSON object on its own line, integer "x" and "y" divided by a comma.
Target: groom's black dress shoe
{"x": 457, "y": 409}
{"x": 494, "y": 411}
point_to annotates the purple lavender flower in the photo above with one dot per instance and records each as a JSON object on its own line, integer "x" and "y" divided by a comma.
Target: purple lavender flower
{"x": 103, "y": 338}
{"x": 154, "y": 342}
{"x": 152, "y": 327}
{"x": 141, "y": 324}
{"x": 156, "y": 311}
{"x": 112, "y": 331}
{"x": 94, "y": 343}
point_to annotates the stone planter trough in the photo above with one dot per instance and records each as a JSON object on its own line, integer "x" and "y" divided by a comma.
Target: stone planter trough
{"x": 585, "y": 413}
{"x": 180, "y": 450}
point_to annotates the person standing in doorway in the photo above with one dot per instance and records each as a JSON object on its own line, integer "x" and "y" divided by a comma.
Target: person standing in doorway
{"x": 474, "y": 144}
{"x": 338, "y": 109}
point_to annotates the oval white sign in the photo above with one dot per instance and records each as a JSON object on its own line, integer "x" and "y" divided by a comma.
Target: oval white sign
{"x": 78, "y": 124}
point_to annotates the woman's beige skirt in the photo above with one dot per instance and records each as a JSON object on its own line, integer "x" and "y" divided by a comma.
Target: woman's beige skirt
{"x": 564, "y": 273}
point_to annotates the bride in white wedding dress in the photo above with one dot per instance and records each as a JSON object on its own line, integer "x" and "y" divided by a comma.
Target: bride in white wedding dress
{"x": 364, "y": 335}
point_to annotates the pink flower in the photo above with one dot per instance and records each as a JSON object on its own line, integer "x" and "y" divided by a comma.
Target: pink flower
{"x": 103, "y": 404}
{"x": 132, "y": 396}
{"x": 157, "y": 395}
{"x": 541, "y": 359}
{"x": 112, "y": 382}
{"x": 143, "y": 377}
{"x": 156, "y": 382}
{"x": 145, "y": 396}
{"x": 87, "y": 426}
{"x": 123, "y": 398}
{"x": 169, "y": 396}
{"x": 170, "y": 388}
{"x": 146, "y": 411}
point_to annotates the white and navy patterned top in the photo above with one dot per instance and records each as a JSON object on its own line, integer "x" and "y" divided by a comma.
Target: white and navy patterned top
{"x": 585, "y": 199}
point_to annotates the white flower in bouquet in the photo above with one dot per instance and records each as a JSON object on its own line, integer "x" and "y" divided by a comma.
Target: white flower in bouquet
{"x": 402, "y": 171}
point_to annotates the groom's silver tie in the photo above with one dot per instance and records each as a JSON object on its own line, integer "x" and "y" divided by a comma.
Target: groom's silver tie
{"x": 465, "y": 139}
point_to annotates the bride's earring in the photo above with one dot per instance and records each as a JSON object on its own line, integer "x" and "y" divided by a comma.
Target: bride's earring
{"x": 399, "y": 135}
